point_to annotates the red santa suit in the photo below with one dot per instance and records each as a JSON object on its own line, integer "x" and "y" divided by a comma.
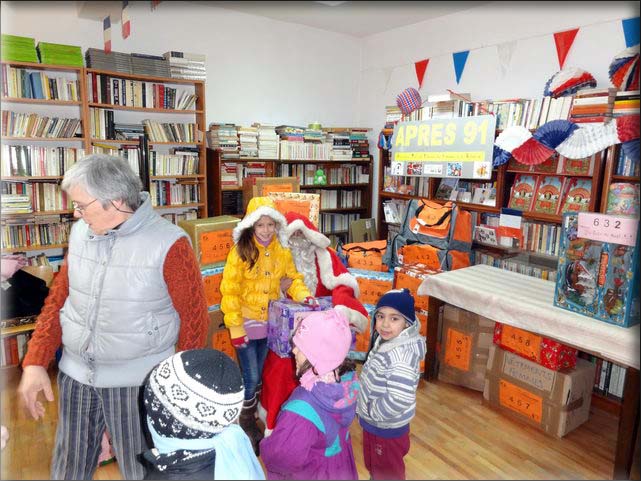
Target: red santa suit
{"x": 325, "y": 275}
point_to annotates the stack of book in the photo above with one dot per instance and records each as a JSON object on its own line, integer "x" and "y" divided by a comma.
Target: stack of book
{"x": 393, "y": 114}
{"x": 359, "y": 143}
{"x": 16, "y": 204}
{"x": 593, "y": 106}
{"x": 313, "y": 134}
{"x": 248, "y": 138}
{"x": 268, "y": 147}
{"x": 18, "y": 49}
{"x": 626, "y": 103}
{"x": 112, "y": 61}
{"x": 341, "y": 147}
{"x": 152, "y": 65}
{"x": 223, "y": 137}
{"x": 186, "y": 65}
{"x": 58, "y": 54}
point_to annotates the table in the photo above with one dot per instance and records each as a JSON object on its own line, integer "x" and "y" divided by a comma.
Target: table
{"x": 527, "y": 303}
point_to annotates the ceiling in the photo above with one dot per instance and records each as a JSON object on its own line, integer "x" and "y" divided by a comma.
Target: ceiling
{"x": 355, "y": 18}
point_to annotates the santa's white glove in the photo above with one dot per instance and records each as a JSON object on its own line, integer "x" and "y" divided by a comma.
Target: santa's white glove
{"x": 312, "y": 302}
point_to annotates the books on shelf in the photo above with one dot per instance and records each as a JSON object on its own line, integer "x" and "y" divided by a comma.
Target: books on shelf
{"x": 446, "y": 188}
{"x": 576, "y": 195}
{"x": 522, "y": 192}
{"x": 584, "y": 166}
{"x": 623, "y": 199}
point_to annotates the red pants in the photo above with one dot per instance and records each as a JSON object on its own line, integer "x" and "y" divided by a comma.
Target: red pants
{"x": 279, "y": 381}
{"x": 384, "y": 456}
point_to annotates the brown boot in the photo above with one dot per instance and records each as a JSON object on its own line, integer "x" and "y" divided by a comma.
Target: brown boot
{"x": 247, "y": 421}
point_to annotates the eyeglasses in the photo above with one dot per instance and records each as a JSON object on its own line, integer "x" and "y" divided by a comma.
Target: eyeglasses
{"x": 81, "y": 208}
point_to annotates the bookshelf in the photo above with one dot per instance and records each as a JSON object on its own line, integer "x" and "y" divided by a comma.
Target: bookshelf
{"x": 346, "y": 196}
{"x": 171, "y": 155}
{"x": 618, "y": 170}
{"x": 43, "y": 134}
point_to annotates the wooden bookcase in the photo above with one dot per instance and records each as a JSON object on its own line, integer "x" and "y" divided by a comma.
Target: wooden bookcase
{"x": 610, "y": 176}
{"x": 288, "y": 168}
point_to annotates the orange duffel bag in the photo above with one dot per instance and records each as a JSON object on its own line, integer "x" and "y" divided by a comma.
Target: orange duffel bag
{"x": 366, "y": 255}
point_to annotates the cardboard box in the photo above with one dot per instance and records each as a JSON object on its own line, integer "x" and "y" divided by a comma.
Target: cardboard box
{"x": 465, "y": 346}
{"x": 283, "y": 317}
{"x": 212, "y": 276}
{"x": 262, "y": 186}
{"x": 411, "y": 277}
{"x": 554, "y": 401}
{"x": 542, "y": 350}
{"x": 307, "y": 205}
{"x": 211, "y": 238}
{"x": 218, "y": 335}
{"x": 372, "y": 284}
{"x": 362, "y": 339}
{"x": 598, "y": 279}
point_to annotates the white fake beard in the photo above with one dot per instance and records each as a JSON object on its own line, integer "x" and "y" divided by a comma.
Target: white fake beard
{"x": 304, "y": 254}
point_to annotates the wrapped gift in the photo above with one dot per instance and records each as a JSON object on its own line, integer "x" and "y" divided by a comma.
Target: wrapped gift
{"x": 211, "y": 282}
{"x": 554, "y": 401}
{"x": 283, "y": 316}
{"x": 467, "y": 338}
{"x": 598, "y": 279}
{"x": 372, "y": 284}
{"x": 542, "y": 350}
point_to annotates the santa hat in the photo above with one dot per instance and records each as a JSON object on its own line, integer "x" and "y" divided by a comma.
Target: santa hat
{"x": 258, "y": 207}
{"x": 299, "y": 222}
{"x": 194, "y": 394}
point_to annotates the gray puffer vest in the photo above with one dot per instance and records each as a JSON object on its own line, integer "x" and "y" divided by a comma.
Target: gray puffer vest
{"x": 119, "y": 321}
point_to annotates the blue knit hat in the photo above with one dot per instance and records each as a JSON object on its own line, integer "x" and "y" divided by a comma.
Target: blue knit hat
{"x": 401, "y": 300}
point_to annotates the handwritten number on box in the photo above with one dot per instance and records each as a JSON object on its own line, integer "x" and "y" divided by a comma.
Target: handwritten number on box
{"x": 215, "y": 245}
{"x": 523, "y": 402}
{"x": 521, "y": 342}
{"x": 457, "y": 350}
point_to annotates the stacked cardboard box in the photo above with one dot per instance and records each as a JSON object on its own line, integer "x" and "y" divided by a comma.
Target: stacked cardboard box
{"x": 211, "y": 238}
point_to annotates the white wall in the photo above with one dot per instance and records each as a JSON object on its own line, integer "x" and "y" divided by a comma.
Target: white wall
{"x": 258, "y": 69}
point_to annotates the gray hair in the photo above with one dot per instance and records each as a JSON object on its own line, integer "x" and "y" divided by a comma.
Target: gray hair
{"x": 106, "y": 178}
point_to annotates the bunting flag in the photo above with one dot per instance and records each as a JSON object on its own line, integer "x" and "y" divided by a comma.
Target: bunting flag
{"x": 564, "y": 41}
{"x": 631, "y": 31}
{"x": 154, "y": 4}
{"x": 106, "y": 33}
{"x": 420, "y": 67}
{"x": 459, "y": 63}
{"x": 126, "y": 23}
{"x": 505, "y": 52}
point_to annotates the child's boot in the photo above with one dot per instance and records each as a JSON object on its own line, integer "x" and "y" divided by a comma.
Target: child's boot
{"x": 247, "y": 421}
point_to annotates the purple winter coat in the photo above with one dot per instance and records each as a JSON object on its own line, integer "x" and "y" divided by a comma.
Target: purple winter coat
{"x": 311, "y": 439}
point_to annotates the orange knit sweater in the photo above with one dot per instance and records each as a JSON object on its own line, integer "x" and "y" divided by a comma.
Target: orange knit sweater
{"x": 184, "y": 283}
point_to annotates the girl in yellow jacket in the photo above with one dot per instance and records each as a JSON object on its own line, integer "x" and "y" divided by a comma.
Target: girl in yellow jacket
{"x": 251, "y": 278}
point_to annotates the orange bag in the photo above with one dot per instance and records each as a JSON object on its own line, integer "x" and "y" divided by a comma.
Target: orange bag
{"x": 366, "y": 255}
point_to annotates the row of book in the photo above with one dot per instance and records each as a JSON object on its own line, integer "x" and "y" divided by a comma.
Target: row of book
{"x": 455, "y": 189}
{"x": 343, "y": 199}
{"x": 13, "y": 349}
{"x": 183, "y": 161}
{"x": 42, "y": 196}
{"x": 30, "y": 233}
{"x": 329, "y": 223}
{"x": 343, "y": 174}
{"x": 557, "y": 164}
{"x": 32, "y": 160}
{"x": 171, "y": 131}
{"x": 394, "y": 210}
{"x": 15, "y": 124}
{"x": 609, "y": 378}
{"x": 106, "y": 89}
{"x": 164, "y": 192}
{"x": 625, "y": 165}
{"x": 175, "y": 217}
{"x": 514, "y": 264}
{"x": 402, "y": 184}
{"x": 24, "y": 84}
{"x": 550, "y": 194}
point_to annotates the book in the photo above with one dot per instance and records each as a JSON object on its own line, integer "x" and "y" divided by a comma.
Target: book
{"x": 623, "y": 199}
{"x": 576, "y": 196}
{"x": 548, "y": 194}
{"x": 445, "y": 188}
{"x": 486, "y": 235}
{"x": 550, "y": 166}
{"x": 584, "y": 166}
{"x": 515, "y": 165}
{"x": 522, "y": 192}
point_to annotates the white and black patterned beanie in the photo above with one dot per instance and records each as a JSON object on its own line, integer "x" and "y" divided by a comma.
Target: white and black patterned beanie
{"x": 194, "y": 394}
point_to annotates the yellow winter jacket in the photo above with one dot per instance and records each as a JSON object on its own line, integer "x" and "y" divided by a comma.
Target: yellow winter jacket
{"x": 246, "y": 293}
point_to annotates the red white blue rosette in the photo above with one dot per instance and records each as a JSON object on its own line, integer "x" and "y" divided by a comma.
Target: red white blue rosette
{"x": 409, "y": 100}
{"x": 624, "y": 69}
{"x": 568, "y": 81}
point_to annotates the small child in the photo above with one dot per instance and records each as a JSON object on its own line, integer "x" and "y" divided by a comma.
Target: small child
{"x": 311, "y": 438}
{"x": 390, "y": 375}
{"x": 192, "y": 400}
{"x": 255, "y": 266}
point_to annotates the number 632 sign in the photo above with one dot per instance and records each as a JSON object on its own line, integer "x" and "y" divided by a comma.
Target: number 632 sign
{"x": 608, "y": 228}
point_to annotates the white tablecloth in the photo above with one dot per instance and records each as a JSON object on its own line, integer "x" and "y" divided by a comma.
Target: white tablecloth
{"x": 527, "y": 303}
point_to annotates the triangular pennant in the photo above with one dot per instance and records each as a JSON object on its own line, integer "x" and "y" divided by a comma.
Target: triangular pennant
{"x": 505, "y": 52}
{"x": 106, "y": 33}
{"x": 563, "y": 42}
{"x": 631, "y": 31}
{"x": 420, "y": 67}
{"x": 459, "y": 63}
{"x": 126, "y": 22}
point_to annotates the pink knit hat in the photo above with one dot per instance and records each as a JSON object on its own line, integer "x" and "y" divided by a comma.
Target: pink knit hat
{"x": 324, "y": 337}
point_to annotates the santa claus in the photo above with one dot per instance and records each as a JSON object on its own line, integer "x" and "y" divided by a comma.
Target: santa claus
{"x": 325, "y": 275}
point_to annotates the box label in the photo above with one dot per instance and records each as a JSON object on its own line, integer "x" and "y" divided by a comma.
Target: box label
{"x": 267, "y": 188}
{"x": 457, "y": 350}
{"x": 212, "y": 289}
{"x": 520, "y": 400}
{"x": 523, "y": 342}
{"x": 372, "y": 289}
{"x": 608, "y": 228}
{"x": 215, "y": 245}
{"x": 528, "y": 372}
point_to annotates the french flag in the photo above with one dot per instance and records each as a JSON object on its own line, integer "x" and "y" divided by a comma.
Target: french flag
{"x": 126, "y": 23}
{"x": 106, "y": 33}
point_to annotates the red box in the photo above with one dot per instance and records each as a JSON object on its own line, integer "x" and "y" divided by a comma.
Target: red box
{"x": 542, "y": 350}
